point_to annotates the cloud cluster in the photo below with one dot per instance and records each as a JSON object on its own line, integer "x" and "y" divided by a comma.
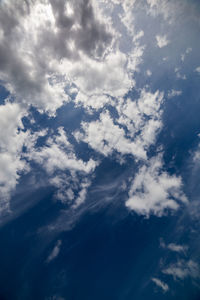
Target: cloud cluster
{"x": 141, "y": 119}
{"x": 46, "y": 34}
{"x": 182, "y": 269}
{"x": 63, "y": 168}
{"x": 52, "y": 51}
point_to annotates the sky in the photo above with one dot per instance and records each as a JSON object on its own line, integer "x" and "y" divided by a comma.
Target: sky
{"x": 99, "y": 149}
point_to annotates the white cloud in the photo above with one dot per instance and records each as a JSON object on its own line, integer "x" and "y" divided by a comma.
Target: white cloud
{"x": 174, "y": 247}
{"x": 55, "y": 251}
{"x": 149, "y": 73}
{"x": 174, "y": 93}
{"x": 105, "y": 137}
{"x": 71, "y": 189}
{"x": 161, "y": 284}
{"x": 183, "y": 269}
{"x": 104, "y": 78}
{"x": 142, "y": 119}
{"x": 162, "y": 41}
{"x": 82, "y": 193}
{"x": 58, "y": 155}
{"x": 153, "y": 191}
{"x": 12, "y": 140}
{"x": 197, "y": 69}
{"x": 177, "y": 248}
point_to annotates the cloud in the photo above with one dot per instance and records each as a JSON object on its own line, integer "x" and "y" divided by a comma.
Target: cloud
{"x": 179, "y": 75}
{"x": 183, "y": 269}
{"x": 153, "y": 190}
{"x": 197, "y": 69}
{"x": 54, "y": 52}
{"x": 187, "y": 51}
{"x": 177, "y": 248}
{"x": 54, "y": 253}
{"x": 174, "y": 247}
{"x": 45, "y": 49}
{"x": 71, "y": 189}
{"x": 64, "y": 170}
{"x": 174, "y": 93}
{"x": 149, "y": 73}
{"x": 12, "y": 139}
{"x": 104, "y": 79}
{"x": 173, "y": 11}
{"x": 35, "y": 50}
{"x": 58, "y": 154}
{"x": 110, "y": 137}
{"x": 57, "y": 51}
{"x": 161, "y": 284}
{"x": 162, "y": 41}
{"x": 141, "y": 118}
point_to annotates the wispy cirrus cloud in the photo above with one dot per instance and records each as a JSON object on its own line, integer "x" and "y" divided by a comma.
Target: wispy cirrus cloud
{"x": 164, "y": 286}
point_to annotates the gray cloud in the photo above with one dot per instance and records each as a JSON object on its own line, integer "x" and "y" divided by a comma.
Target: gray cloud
{"x": 35, "y": 36}
{"x": 77, "y": 21}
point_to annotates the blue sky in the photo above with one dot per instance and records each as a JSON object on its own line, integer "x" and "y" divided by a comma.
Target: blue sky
{"x": 100, "y": 149}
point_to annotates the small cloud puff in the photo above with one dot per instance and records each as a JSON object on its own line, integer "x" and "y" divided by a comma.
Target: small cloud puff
{"x": 54, "y": 253}
{"x": 174, "y": 247}
{"x": 161, "y": 284}
{"x": 162, "y": 41}
{"x": 197, "y": 70}
{"x": 173, "y": 93}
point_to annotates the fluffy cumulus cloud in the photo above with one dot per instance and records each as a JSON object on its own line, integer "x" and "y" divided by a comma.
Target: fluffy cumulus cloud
{"x": 153, "y": 190}
{"x": 110, "y": 137}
